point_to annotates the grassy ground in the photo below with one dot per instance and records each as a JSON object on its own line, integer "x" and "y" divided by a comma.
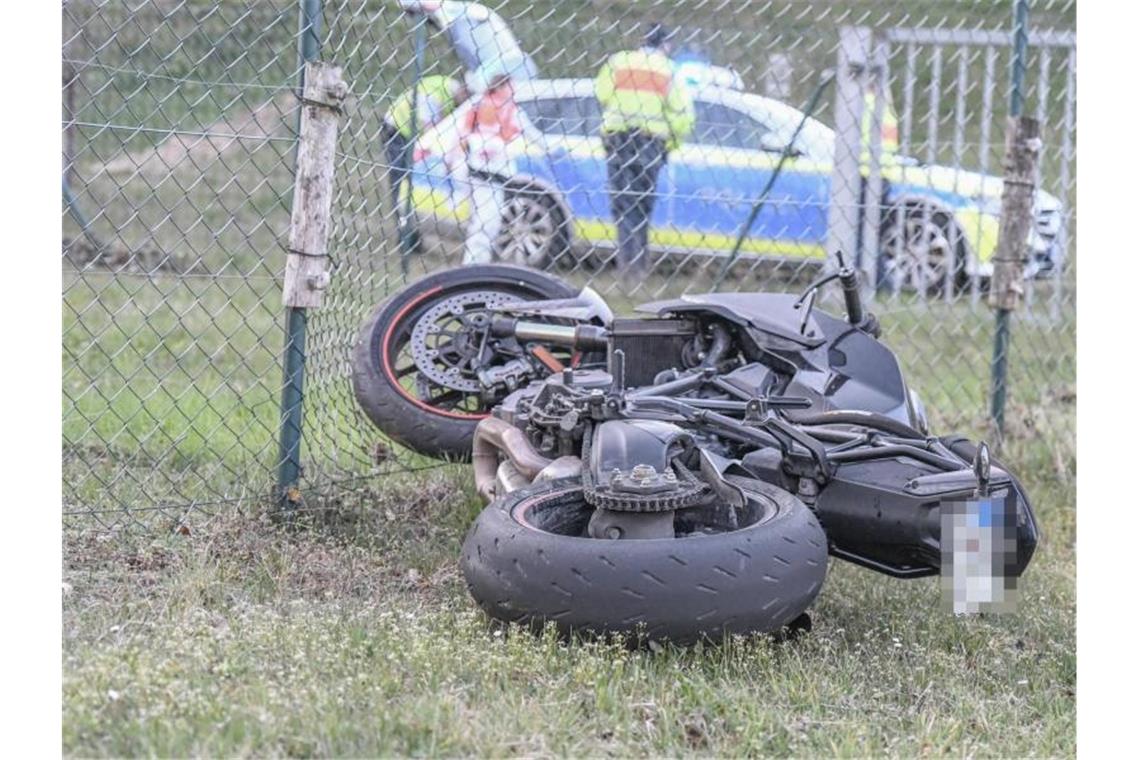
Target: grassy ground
{"x": 353, "y": 635}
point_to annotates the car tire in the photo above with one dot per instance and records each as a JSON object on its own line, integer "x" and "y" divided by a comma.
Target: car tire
{"x": 535, "y": 232}
{"x": 926, "y": 236}
{"x": 526, "y": 559}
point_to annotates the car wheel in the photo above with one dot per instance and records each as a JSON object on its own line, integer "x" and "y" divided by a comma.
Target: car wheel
{"x": 916, "y": 245}
{"x": 534, "y": 231}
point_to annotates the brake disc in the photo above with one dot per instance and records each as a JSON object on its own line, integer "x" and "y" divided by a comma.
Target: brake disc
{"x": 448, "y": 342}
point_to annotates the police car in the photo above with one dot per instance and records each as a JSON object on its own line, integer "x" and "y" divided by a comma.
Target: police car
{"x": 558, "y": 207}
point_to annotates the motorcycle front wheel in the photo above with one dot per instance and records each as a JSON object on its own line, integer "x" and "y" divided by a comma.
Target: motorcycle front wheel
{"x": 528, "y": 558}
{"x": 417, "y": 360}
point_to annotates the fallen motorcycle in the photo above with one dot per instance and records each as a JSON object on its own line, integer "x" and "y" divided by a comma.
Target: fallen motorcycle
{"x": 681, "y": 474}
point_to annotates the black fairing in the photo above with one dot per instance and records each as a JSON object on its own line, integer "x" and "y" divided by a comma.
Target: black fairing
{"x": 773, "y": 314}
{"x": 851, "y": 370}
{"x": 833, "y": 364}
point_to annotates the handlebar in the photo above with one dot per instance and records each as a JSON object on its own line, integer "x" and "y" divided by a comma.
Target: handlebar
{"x": 849, "y": 279}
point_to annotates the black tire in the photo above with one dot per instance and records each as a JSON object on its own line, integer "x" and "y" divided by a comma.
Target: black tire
{"x": 754, "y": 579}
{"x": 535, "y": 232}
{"x": 436, "y": 432}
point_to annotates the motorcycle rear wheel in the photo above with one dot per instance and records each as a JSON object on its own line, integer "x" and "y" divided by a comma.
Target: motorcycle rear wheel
{"x": 527, "y": 559}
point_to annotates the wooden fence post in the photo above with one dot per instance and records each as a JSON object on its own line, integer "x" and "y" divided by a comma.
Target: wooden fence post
{"x": 306, "y": 273}
{"x": 1007, "y": 289}
{"x": 1022, "y": 148}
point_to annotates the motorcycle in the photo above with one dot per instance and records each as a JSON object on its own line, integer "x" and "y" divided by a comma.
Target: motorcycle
{"x": 681, "y": 474}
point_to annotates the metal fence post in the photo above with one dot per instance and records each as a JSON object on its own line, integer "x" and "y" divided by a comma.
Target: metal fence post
{"x": 871, "y": 192}
{"x": 409, "y": 234}
{"x": 296, "y": 319}
{"x": 70, "y": 78}
{"x": 69, "y": 81}
{"x": 999, "y": 364}
{"x": 846, "y": 177}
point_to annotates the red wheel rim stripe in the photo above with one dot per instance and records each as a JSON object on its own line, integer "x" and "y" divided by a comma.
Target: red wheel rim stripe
{"x": 386, "y": 361}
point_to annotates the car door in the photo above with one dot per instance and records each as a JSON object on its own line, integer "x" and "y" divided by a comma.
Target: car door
{"x": 589, "y": 198}
{"x": 571, "y": 125}
{"x": 721, "y": 171}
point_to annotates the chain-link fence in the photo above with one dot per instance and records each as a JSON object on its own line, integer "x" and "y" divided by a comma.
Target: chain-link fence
{"x": 180, "y": 126}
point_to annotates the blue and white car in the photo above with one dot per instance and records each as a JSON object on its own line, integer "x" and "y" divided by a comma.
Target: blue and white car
{"x": 558, "y": 205}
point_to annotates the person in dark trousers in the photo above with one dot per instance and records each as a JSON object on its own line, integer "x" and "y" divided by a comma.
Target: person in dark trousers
{"x": 436, "y": 98}
{"x": 646, "y": 112}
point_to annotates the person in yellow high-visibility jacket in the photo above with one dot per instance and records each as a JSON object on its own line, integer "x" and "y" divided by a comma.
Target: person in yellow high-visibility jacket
{"x": 889, "y": 133}
{"x": 888, "y": 149}
{"x": 436, "y": 97}
{"x": 646, "y": 112}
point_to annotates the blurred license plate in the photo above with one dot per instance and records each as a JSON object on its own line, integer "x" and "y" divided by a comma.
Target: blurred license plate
{"x": 979, "y": 547}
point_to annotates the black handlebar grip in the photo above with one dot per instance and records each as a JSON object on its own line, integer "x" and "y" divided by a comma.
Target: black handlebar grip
{"x": 849, "y": 279}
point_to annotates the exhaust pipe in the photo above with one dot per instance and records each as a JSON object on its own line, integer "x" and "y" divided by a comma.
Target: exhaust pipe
{"x": 494, "y": 436}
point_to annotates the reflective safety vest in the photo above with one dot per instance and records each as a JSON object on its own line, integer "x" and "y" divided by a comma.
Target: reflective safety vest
{"x": 436, "y": 100}
{"x": 890, "y": 130}
{"x": 638, "y": 90}
{"x": 487, "y": 128}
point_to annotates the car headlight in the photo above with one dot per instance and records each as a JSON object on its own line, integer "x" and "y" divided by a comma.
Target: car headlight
{"x": 1048, "y": 222}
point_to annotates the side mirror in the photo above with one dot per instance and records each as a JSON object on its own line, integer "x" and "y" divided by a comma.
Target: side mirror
{"x": 770, "y": 144}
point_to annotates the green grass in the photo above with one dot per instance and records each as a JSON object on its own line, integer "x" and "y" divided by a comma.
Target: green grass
{"x": 353, "y": 635}
{"x": 211, "y": 631}
{"x": 170, "y": 389}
